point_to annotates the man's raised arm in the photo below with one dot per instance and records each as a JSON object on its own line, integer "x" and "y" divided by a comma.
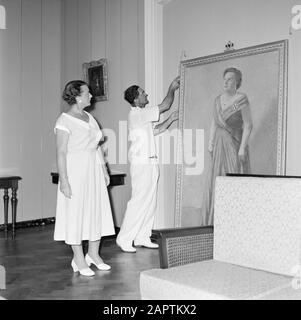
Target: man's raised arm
{"x": 168, "y": 100}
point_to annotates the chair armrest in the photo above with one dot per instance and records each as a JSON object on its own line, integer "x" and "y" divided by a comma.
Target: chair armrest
{"x": 179, "y": 246}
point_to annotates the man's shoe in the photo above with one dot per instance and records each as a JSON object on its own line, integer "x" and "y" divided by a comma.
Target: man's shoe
{"x": 126, "y": 248}
{"x": 146, "y": 244}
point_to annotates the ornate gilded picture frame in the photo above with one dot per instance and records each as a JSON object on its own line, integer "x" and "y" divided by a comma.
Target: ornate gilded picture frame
{"x": 96, "y": 75}
{"x": 264, "y": 85}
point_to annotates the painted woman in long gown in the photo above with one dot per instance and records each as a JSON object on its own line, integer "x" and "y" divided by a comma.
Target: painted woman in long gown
{"x": 228, "y": 142}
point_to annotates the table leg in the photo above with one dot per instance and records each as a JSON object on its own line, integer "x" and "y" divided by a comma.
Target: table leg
{"x": 6, "y": 200}
{"x": 14, "y": 202}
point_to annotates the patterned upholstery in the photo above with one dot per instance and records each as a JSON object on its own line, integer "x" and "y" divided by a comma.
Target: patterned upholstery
{"x": 257, "y": 222}
{"x": 214, "y": 280}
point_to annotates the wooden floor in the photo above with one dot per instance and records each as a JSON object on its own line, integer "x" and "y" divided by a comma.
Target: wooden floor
{"x": 39, "y": 268}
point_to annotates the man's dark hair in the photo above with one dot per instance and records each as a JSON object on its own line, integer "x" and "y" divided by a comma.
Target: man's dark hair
{"x": 130, "y": 94}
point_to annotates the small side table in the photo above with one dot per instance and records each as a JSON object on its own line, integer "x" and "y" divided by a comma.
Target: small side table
{"x": 10, "y": 183}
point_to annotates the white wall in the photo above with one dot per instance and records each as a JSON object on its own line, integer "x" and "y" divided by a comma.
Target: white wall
{"x": 112, "y": 29}
{"x": 204, "y": 27}
{"x": 30, "y": 62}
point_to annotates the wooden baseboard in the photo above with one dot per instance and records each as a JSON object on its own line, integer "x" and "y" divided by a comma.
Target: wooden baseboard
{"x": 51, "y": 220}
{"x": 31, "y": 223}
{"x": 40, "y": 223}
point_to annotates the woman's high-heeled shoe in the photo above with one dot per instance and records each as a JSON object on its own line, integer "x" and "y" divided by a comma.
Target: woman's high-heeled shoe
{"x": 84, "y": 272}
{"x": 101, "y": 266}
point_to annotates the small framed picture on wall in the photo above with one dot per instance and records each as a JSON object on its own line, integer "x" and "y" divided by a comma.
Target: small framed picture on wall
{"x": 96, "y": 75}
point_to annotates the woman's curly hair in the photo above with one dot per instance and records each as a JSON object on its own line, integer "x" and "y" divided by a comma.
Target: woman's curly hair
{"x": 72, "y": 90}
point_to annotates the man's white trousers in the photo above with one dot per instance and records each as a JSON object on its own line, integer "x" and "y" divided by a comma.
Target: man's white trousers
{"x": 140, "y": 213}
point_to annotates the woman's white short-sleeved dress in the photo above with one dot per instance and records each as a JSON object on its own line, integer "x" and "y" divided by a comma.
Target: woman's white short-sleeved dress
{"x": 87, "y": 215}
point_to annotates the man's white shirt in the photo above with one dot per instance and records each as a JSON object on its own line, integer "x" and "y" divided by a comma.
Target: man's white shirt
{"x": 141, "y": 133}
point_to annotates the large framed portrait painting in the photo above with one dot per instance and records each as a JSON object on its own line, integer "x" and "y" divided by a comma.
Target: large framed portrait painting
{"x": 96, "y": 75}
{"x": 238, "y": 101}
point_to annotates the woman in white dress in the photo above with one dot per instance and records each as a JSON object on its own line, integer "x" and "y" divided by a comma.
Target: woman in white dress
{"x": 83, "y": 209}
